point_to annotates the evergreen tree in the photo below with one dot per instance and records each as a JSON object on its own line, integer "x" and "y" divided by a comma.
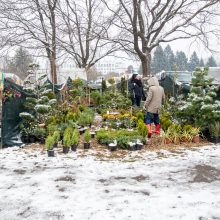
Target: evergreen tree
{"x": 211, "y": 62}
{"x": 104, "y": 86}
{"x": 193, "y": 62}
{"x": 158, "y": 61}
{"x": 180, "y": 61}
{"x": 201, "y": 63}
{"x": 169, "y": 58}
{"x": 19, "y": 64}
{"x": 201, "y": 107}
{"x": 123, "y": 86}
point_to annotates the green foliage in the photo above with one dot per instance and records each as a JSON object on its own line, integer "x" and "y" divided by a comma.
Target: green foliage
{"x": 56, "y": 136}
{"x": 75, "y": 137}
{"x": 214, "y": 129}
{"x": 67, "y": 139}
{"x": 51, "y": 128}
{"x": 87, "y": 136}
{"x": 111, "y": 81}
{"x": 77, "y": 83}
{"x": 104, "y": 86}
{"x": 142, "y": 128}
{"x": 122, "y": 142}
{"x": 116, "y": 100}
{"x": 39, "y": 132}
{"x": 49, "y": 142}
{"x": 201, "y": 107}
{"x": 139, "y": 116}
{"x": 95, "y": 97}
{"x": 123, "y": 86}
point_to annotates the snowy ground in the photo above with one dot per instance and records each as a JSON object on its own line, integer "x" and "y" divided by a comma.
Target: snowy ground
{"x": 182, "y": 184}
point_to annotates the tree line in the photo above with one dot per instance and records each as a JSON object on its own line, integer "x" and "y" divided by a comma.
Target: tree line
{"x": 85, "y": 31}
{"x": 166, "y": 59}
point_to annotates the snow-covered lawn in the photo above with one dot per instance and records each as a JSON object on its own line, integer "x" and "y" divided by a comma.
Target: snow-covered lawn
{"x": 182, "y": 184}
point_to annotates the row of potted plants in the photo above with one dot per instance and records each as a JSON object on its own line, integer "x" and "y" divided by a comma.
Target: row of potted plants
{"x": 176, "y": 134}
{"x": 70, "y": 139}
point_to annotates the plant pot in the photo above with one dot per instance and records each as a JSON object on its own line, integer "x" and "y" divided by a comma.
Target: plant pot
{"x": 167, "y": 141}
{"x": 50, "y": 153}
{"x": 86, "y": 145}
{"x": 139, "y": 146}
{"x": 185, "y": 140}
{"x": 32, "y": 139}
{"x": 196, "y": 139}
{"x": 42, "y": 141}
{"x": 25, "y": 139}
{"x": 66, "y": 149}
{"x": 81, "y": 131}
{"x": 132, "y": 147}
{"x": 112, "y": 147}
{"x": 55, "y": 145}
{"x": 74, "y": 147}
{"x": 214, "y": 140}
{"x": 92, "y": 134}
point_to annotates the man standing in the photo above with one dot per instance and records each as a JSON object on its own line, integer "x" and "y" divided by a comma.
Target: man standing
{"x": 136, "y": 90}
{"x": 153, "y": 103}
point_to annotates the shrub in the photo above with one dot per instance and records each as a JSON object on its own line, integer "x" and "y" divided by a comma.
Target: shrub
{"x": 87, "y": 136}
{"x": 49, "y": 142}
{"x": 56, "y": 136}
{"x": 75, "y": 137}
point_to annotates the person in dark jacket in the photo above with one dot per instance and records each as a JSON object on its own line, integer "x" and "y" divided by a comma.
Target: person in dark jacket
{"x": 136, "y": 90}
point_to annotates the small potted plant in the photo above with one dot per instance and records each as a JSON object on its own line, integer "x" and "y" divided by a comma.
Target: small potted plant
{"x": 139, "y": 144}
{"x": 66, "y": 142}
{"x": 75, "y": 140}
{"x": 112, "y": 146}
{"x": 195, "y": 134}
{"x": 56, "y": 137}
{"x": 166, "y": 138}
{"x": 132, "y": 146}
{"x": 87, "y": 138}
{"x": 49, "y": 145}
{"x": 214, "y": 130}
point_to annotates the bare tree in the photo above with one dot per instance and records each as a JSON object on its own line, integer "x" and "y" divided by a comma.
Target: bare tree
{"x": 32, "y": 24}
{"x": 85, "y": 31}
{"x": 144, "y": 24}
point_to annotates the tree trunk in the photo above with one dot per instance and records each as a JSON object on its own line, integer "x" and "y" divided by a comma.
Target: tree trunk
{"x": 146, "y": 62}
{"x": 53, "y": 70}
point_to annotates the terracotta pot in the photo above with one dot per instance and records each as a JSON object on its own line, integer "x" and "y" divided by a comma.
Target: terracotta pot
{"x": 167, "y": 141}
{"x": 184, "y": 140}
{"x": 196, "y": 139}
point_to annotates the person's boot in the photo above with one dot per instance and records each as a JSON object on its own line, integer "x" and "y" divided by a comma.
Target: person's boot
{"x": 149, "y": 130}
{"x": 157, "y": 130}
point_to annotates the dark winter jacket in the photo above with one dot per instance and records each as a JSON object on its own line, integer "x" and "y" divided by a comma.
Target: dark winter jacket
{"x": 135, "y": 89}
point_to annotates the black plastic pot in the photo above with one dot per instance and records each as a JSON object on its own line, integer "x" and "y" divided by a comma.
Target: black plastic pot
{"x": 86, "y": 145}
{"x": 74, "y": 147}
{"x": 112, "y": 147}
{"x": 92, "y": 134}
{"x": 132, "y": 147}
{"x": 139, "y": 146}
{"x": 81, "y": 131}
{"x": 66, "y": 149}
{"x": 42, "y": 141}
{"x": 55, "y": 145}
{"x": 50, "y": 153}
{"x": 32, "y": 139}
{"x": 215, "y": 140}
{"x": 25, "y": 139}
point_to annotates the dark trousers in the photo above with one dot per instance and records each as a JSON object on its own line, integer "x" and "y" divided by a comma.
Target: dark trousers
{"x": 136, "y": 101}
{"x": 152, "y": 118}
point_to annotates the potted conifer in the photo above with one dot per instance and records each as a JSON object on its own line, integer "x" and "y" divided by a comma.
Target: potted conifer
{"x": 75, "y": 140}
{"x": 56, "y": 138}
{"x": 49, "y": 145}
{"x": 87, "y": 138}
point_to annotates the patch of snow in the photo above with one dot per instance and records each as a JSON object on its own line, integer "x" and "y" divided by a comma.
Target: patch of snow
{"x": 157, "y": 185}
